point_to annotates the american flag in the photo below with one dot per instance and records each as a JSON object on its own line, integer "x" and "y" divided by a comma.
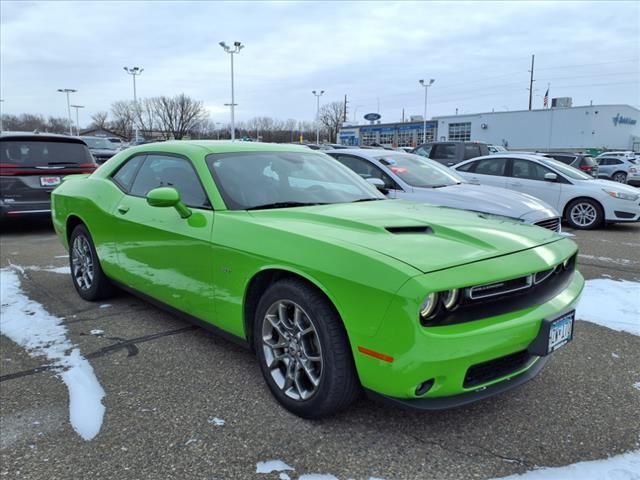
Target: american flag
{"x": 545, "y": 102}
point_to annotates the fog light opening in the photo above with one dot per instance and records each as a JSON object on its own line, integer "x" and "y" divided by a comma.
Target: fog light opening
{"x": 424, "y": 387}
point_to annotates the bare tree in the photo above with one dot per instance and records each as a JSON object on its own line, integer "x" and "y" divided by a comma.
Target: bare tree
{"x": 99, "y": 120}
{"x": 331, "y": 116}
{"x": 28, "y": 122}
{"x": 146, "y": 116}
{"x": 57, "y": 125}
{"x": 123, "y": 117}
{"x": 178, "y": 115}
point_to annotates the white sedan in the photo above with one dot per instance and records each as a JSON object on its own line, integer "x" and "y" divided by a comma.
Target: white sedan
{"x": 583, "y": 201}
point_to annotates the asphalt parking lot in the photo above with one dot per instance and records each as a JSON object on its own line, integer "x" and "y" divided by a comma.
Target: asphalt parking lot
{"x": 166, "y": 381}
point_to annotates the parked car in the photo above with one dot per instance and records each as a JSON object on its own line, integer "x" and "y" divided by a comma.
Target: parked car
{"x": 581, "y": 161}
{"x": 101, "y": 148}
{"x": 633, "y": 176}
{"x": 406, "y": 149}
{"x": 403, "y": 175}
{"x": 451, "y": 153}
{"x": 583, "y": 201}
{"x": 496, "y": 149}
{"x": 615, "y": 168}
{"x": 32, "y": 165}
{"x": 623, "y": 154}
{"x": 335, "y": 287}
{"x": 118, "y": 142}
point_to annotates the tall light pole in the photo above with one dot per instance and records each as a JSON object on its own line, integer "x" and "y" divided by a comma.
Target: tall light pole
{"x": 1, "y": 100}
{"x": 134, "y": 72}
{"x": 318, "y": 95}
{"x": 426, "y": 89}
{"x": 77, "y": 107}
{"x": 237, "y": 46}
{"x": 218, "y": 129}
{"x": 68, "y": 91}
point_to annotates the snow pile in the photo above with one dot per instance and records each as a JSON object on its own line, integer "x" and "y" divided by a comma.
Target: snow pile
{"x": 621, "y": 467}
{"x": 280, "y": 467}
{"x": 218, "y": 422}
{"x": 28, "y": 324}
{"x": 64, "y": 270}
{"x": 611, "y": 303}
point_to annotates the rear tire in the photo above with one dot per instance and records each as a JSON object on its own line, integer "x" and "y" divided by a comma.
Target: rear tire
{"x": 619, "y": 177}
{"x": 86, "y": 273}
{"x": 303, "y": 350}
{"x": 584, "y": 214}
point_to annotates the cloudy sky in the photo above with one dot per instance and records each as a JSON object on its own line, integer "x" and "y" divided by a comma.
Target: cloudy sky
{"x": 478, "y": 53}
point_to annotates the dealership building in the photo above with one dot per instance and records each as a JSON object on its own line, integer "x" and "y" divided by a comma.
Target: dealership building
{"x": 611, "y": 127}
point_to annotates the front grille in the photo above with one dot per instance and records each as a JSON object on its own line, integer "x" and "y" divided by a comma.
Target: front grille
{"x": 499, "y": 288}
{"x": 552, "y": 224}
{"x": 493, "y": 369}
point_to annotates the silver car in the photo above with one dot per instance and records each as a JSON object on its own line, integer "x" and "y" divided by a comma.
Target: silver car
{"x": 412, "y": 177}
{"x": 615, "y": 168}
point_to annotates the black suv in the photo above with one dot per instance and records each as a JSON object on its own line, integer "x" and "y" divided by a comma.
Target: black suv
{"x": 450, "y": 153}
{"x": 32, "y": 165}
{"x": 581, "y": 161}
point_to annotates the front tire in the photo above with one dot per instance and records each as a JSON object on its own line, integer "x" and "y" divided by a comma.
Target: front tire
{"x": 303, "y": 350}
{"x": 86, "y": 273}
{"x": 619, "y": 177}
{"x": 584, "y": 214}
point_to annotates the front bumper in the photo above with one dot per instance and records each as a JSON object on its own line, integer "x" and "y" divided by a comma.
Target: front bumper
{"x": 448, "y": 354}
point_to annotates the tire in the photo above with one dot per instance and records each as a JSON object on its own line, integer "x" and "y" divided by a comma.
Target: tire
{"x": 323, "y": 378}
{"x": 86, "y": 273}
{"x": 620, "y": 177}
{"x": 584, "y": 214}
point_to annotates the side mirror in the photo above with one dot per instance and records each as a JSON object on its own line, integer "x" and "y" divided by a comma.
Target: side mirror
{"x": 550, "y": 177}
{"x": 379, "y": 184}
{"x": 168, "y": 197}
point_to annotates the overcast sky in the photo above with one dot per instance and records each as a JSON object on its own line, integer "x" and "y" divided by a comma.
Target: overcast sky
{"x": 478, "y": 53}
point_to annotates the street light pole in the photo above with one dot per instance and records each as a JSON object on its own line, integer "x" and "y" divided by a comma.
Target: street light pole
{"x": 134, "y": 72}
{"x": 1, "y": 100}
{"x": 68, "y": 91}
{"x": 426, "y": 89}
{"x": 77, "y": 107}
{"x": 237, "y": 46}
{"x": 317, "y": 95}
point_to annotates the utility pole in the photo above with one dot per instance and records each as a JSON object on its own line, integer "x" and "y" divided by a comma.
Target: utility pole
{"x": 344, "y": 117}
{"x": 531, "y": 80}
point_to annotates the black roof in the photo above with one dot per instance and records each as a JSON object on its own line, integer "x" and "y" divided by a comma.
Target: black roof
{"x": 36, "y": 136}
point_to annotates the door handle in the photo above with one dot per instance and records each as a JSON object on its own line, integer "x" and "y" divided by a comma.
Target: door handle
{"x": 123, "y": 209}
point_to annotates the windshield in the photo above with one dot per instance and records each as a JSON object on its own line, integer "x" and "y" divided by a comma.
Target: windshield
{"x": 249, "y": 180}
{"x": 99, "y": 143}
{"x": 31, "y": 153}
{"x": 566, "y": 169}
{"x": 418, "y": 171}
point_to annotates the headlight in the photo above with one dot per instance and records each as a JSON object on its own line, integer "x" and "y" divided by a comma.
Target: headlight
{"x": 429, "y": 305}
{"x": 620, "y": 195}
{"x": 450, "y": 299}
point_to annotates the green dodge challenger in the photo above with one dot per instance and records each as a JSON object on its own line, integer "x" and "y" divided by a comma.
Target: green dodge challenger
{"x": 336, "y": 288}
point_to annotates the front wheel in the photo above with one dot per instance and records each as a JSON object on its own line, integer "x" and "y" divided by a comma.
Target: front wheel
{"x": 88, "y": 278}
{"x": 620, "y": 177}
{"x": 303, "y": 350}
{"x": 584, "y": 214}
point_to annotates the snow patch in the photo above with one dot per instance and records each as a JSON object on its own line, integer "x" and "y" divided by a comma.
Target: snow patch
{"x": 50, "y": 268}
{"x": 105, "y": 305}
{"x": 27, "y": 323}
{"x": 317, "y": 476}
{"x": 620, "y": 467}
{"x": 611, "y": 303}
{"x": 567, "y": 234}
{"x": 615, "y": 355}
{"x": 61, "y": 256}
{"x": 97, "y": 333}
{"x": 272, "y": 466}
{"x": 284, "y": 476}
{"x": 637, "y": 386}
{"x": 218, "y": 422}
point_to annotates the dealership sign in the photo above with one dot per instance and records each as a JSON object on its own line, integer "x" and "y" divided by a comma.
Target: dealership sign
{"x": 619, "y": 119}
{"x": 372, "y": 117}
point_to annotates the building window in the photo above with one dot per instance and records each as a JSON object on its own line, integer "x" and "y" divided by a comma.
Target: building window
{"x": 460, "y": 132}
{"x": 386, "y": 138}
{"x": 369, "y": 137}
{"x": 406, "y": 138}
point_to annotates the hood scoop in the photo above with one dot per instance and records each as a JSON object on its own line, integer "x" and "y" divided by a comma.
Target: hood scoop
{"x": 419, "y": 229}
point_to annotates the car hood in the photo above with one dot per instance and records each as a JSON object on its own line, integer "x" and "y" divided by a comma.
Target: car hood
{"x": 484, "y": 198}
{"x": 610, "y": 185}
{"x": 428, "y": 238}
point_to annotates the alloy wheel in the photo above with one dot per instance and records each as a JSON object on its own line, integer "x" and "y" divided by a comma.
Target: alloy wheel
{"x": 583, "y": 214}
{"x": 82, "y": 262}
{"x": 620, "y": 177}
{"x": 292, "y": 351}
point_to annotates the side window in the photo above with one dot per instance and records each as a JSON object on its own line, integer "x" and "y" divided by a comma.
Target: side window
{"x": 491, "y": 166}
{"x": 469, "y": 167}
{"x": 424, "y": 150}
{"x": 528, "y": 170}
{"x": 366, "y": 169}
{"x": 446, "y": 151}
{"x": 124, "y": 176}
{"x": 615, "y": 162}
{"x": 166, "y": 171}
{"x": 471, "y": 151}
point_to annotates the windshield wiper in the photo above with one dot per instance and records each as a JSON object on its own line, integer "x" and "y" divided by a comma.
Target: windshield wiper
{"x": 439, "y": 186}
{"x": 283, "y": 205}
{"x": 367, "y": 200}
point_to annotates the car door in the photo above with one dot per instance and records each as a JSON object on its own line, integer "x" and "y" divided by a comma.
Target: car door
{"x": 527, "y": 176}
{"x": 367, "y": 169}
{"x": 163, "y": 255}
{"x": 486, "y": 171}
{"x": 605, "y": 167}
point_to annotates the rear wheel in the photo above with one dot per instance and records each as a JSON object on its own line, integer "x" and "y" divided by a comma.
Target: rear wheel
{"x": 619, "y": 177}
{"x": 303, "y": 350}
{"x": 88, "y": 278}
{"x": 584, "y": 214}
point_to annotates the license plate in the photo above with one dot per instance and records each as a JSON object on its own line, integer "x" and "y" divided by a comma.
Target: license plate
{"x": 50, "y": 181}
{"x": 560, "y": 332}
